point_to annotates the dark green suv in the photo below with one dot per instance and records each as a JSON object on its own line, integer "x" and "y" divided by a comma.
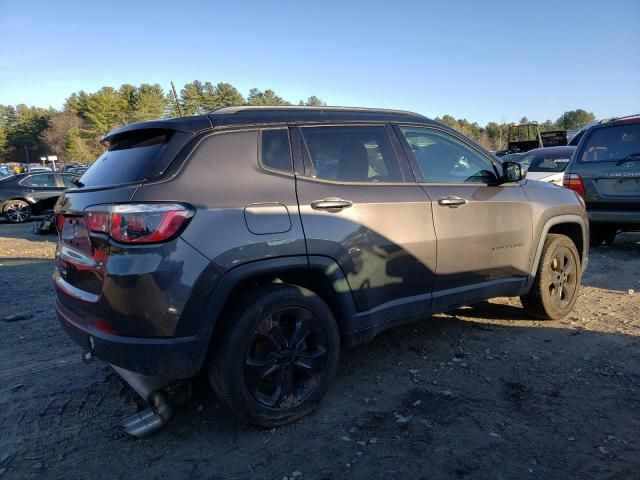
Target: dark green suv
{"x": 605, "y": 170}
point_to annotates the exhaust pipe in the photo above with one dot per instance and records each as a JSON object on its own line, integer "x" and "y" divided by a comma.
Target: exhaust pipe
{"x": 146, "y": 422}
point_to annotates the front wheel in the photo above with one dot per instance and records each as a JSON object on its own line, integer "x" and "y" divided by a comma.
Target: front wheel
{"x": 17, "y": 211}
{"x": 555, "y": 289}
{"x": 275, "y": 355}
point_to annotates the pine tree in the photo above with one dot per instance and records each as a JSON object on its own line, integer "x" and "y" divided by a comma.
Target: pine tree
{"x": 105, "y": 110}
{"x": 191, "y": 98}
{"x": 149, "y": 102}
{"x": 268, "y": 97}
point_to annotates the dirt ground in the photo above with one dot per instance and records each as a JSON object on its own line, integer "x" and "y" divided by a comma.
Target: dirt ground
{"x": 483, "y": 392}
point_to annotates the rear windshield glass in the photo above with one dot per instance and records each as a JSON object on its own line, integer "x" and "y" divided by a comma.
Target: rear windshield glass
{"x": 546, "y": 163}
{"x": 614, "y": 143}
{"x": 129, "y": 158}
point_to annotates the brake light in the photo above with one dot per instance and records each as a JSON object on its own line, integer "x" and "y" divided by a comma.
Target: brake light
{"x": 59, "y": 222}
{"x": 138, "y": 222}
{"x": 573, "y": 182}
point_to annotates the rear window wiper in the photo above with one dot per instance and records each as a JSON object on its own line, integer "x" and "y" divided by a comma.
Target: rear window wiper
{"x": 628, "y": 157}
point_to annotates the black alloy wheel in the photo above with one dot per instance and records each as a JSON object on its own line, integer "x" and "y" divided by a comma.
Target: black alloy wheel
{"x": 286, "y": 355}
{"x": 275, "y": 354}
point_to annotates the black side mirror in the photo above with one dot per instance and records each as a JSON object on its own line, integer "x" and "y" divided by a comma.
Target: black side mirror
{"x": 512, "y": 172}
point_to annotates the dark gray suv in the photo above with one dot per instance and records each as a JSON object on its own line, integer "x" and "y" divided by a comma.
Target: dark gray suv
{"x": 255, "y": 243}
{"x": 605, "y": 170}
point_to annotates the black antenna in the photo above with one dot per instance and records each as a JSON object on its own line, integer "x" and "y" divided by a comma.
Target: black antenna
{"x": 175, "y": 96}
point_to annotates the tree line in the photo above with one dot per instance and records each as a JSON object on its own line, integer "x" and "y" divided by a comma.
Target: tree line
{"x": 494, "y": 135}
{"x": 73, "y": 133}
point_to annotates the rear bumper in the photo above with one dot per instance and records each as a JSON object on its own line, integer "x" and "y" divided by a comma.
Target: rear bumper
{"x": 618, "y": 217}
{"x": 171, "y": 358}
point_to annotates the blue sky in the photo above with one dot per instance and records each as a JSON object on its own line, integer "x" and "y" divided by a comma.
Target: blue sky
{"x": 483, "y": 61}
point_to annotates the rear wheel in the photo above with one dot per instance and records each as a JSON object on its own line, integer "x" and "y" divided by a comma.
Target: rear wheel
{"x": 17, "y": 211}
{"x": 602, "y": 235}
{"x": 275, "y": 355}
{"x": 555, "y": 289}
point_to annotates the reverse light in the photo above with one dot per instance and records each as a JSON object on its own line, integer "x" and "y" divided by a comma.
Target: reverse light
{"x": 138, "y": 222}
{"x": 573, "y": 182}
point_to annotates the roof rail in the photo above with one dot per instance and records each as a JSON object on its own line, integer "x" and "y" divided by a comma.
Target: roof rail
{"x": 615, "y": 119}
{"x": 242, "y": 108}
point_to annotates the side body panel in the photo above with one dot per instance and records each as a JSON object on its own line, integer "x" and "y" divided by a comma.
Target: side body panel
{"x": 384, "y": 243}
{"x": 484, "y": 245}
{"x": 222, "y": 179}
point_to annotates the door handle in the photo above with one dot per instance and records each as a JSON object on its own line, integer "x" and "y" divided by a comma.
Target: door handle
{"x": 331, "y": 203}
{"x": 452, "y": 201}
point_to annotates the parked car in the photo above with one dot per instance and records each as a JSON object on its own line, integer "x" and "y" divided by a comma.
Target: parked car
{"x": 511, "y": 157}
{"x": 25, "y": 194}
{"x": 79, "y": 171}
{"x": 605, "y": 170}
{"x": 257, "y": 242}
{"x": 546, "y": 164}
{"x": 34, "y": 167}
{"x": 578, "y": 136}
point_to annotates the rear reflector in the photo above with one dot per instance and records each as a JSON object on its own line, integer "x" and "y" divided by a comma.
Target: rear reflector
{"x": 138, "y": 222}
{"x": 573, "y": 182}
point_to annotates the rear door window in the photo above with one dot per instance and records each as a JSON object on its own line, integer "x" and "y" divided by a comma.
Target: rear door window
{"x": 69, "y": 180}
{"x": 130, "y": 158}
{"x": 612, "y": 143}
{"x": 351, "y": 154}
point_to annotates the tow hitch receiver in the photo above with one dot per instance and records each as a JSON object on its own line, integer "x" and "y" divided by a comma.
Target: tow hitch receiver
{"x": 154, "y": 391}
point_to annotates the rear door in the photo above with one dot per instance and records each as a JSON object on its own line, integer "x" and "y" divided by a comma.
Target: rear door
{"x": 42, "y": 188}
{"x": 608, "y": 161}
{"x": 361, "y": 207}
{"x": 483, "y": 229}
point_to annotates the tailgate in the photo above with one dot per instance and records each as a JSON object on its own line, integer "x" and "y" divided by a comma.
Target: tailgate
{"x": 609, "y": 164}
{"x": 80, "y": 256}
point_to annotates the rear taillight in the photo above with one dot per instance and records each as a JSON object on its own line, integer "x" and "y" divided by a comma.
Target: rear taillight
{"x": 138, "y": 222}
{"x": 573, "y": 182}
{"x": 59, "y": 222}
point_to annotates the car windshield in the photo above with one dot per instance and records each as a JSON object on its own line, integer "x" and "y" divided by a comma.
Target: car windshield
{"x": 545, "y": 162}
{"x": 511, "y": 157}
{"x": 612, "y": 143}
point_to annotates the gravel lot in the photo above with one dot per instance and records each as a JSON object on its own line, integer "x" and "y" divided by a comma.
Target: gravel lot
{"x": 482, "y": 392}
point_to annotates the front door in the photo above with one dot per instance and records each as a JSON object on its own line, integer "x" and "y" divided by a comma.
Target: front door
{"x": 359, "y": 208}
{"x": 483, "y": 229}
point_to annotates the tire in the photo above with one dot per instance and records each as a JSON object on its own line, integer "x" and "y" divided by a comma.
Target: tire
{"x": 602, "y": 235}
{"x": 555, "y": 288}
{"x": 17, "y": 211}
{"x": 255, "y": 368}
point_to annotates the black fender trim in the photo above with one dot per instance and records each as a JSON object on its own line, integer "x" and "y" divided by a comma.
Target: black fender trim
{"x": 569, "y": 218}
{"x": 233, "y": 277}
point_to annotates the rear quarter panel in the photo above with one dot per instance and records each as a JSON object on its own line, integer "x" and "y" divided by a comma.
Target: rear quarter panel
{"x": 221, "y": 178}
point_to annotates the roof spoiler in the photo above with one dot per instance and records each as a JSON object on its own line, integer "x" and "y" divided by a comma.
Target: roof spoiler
{"x": 192, "y": 125}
